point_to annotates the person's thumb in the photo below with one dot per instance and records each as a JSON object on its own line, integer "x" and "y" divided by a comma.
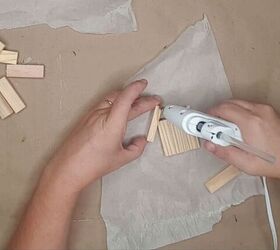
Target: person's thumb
{"x": 134, "y": 149}
{"x": 231, "y": 155}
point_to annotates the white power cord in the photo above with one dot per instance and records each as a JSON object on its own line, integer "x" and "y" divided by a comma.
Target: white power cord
{"x": 270, "y": 215}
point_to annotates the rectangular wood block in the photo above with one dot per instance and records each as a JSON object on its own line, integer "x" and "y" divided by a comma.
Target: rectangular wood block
{"x": 2, "y": 46}
{"x": 174, "y": 140}
{"x": 8, "y": 57}
{"x": 154, "y": 124}
{"x": 5, "y": 109}
{"x": 25, "y": 71}
{"x": 221, "y": 179}
{"x": 11, "y": 96}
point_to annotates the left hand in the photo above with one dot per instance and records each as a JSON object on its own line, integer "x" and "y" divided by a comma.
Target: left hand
{"x": 95, "y": 147}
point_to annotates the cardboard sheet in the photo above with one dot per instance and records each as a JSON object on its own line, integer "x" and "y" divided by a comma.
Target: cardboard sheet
{"x": 155, "y": 200}
{"x": 248, "y": 40}
{"x": 87, "y": 16}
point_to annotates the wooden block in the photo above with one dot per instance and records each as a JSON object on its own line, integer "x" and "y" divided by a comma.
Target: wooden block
{"x": 218, "y": 181}
{"x": 174, "y": 140}
{"x": 187, "y": 141}
{"x": 25, "y": 71}
{"x": 164, "y": 139}
{"x": 11, "y": 96}
{"x": 2, "y": 46}
{"x": 154, "y": 124}
{"x": 5, "y": 109}
{"x": 169, "y": 139}
{"x": 179, "y": 139}
{"x": 193, "y": 142}
{"x": 8, "y": 57}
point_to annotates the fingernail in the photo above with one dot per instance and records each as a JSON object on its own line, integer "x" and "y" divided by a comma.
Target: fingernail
{"x": 144, "y": 81}
{"x": 210, "y": 146}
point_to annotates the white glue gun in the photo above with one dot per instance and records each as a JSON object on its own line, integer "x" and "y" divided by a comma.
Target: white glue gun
{"x": 210, "y": 128}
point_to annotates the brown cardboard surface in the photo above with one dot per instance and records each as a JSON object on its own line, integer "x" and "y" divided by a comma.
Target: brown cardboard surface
{"x": 80, "y": 68}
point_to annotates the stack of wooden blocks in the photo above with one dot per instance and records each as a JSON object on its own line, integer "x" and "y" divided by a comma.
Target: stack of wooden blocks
{"x": 10, "y": 101}
{"x": 175, "y": 141}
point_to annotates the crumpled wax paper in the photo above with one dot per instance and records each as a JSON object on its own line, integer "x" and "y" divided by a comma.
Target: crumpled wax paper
{"x": 158, "y": 200}
{"x": 86, "y": 16}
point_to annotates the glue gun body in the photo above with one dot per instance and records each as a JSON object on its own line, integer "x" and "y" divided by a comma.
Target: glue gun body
{"x": 201, "y": 125}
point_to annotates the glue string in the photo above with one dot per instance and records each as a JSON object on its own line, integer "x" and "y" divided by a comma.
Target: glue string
{"x": 270, "y": 215}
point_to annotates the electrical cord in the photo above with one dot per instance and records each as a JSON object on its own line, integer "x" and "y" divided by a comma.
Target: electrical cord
{"x": 270, "y": 214}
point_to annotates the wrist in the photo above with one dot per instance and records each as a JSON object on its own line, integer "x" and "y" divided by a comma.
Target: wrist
{"x": 53, "y": 184}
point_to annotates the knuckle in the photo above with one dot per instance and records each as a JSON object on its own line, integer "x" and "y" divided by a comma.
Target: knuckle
{"x": 224, "y": 106}
{"x": 227, "y": 154}
{"x": 114, "y": 94}
{"x": 255, "y": 121}
{"x": 137, "y": 107}
{"x": 267, "y": 109}
{"x": 220, "y": 108}
{"x": 120, "y": 102}
{"x": 222, "y": 153}
{"x": 211, "y": 110}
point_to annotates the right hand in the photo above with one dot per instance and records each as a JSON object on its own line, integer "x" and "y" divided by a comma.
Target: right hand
{"x": 260, "y": 127}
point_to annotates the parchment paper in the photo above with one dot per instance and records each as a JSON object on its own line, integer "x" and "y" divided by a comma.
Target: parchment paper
{"x": 157, "y": 200}
{"x": 88, "y": 16}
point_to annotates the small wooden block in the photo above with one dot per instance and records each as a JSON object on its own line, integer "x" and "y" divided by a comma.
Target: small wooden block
{"x": 163, "y": 139}
{"x": 218, "y": 181}
{"x": 5, "y": 109}
{"x": 25, "y": 71}
{"x": 154, "y": 124}
{"x": 174, "y": 140}
{"x": 11, "y": 96}
{"x": 169, "y": 139}
{"x": 8, "y": 57}
{"x": 2, "y": 46}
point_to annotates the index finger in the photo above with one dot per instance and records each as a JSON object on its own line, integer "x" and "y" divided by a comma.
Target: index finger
{"x": 122, "y": 105}
{"x": 232, "y": 113}
{"x": 244, "y": 104}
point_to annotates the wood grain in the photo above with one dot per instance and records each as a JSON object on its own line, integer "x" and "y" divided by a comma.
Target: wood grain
{"x": 174, "y": 140}
{"x": 8, "y": 57}
{"x": 163, "y": 139}
{"x": 154, "y": 124}
{"x": 11, "y": 96}
{"x": 5, "y": 109}
{"x": 221, "y": 179}
{"x": 25, "y": 71}
{"x": 2, "y": 46}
